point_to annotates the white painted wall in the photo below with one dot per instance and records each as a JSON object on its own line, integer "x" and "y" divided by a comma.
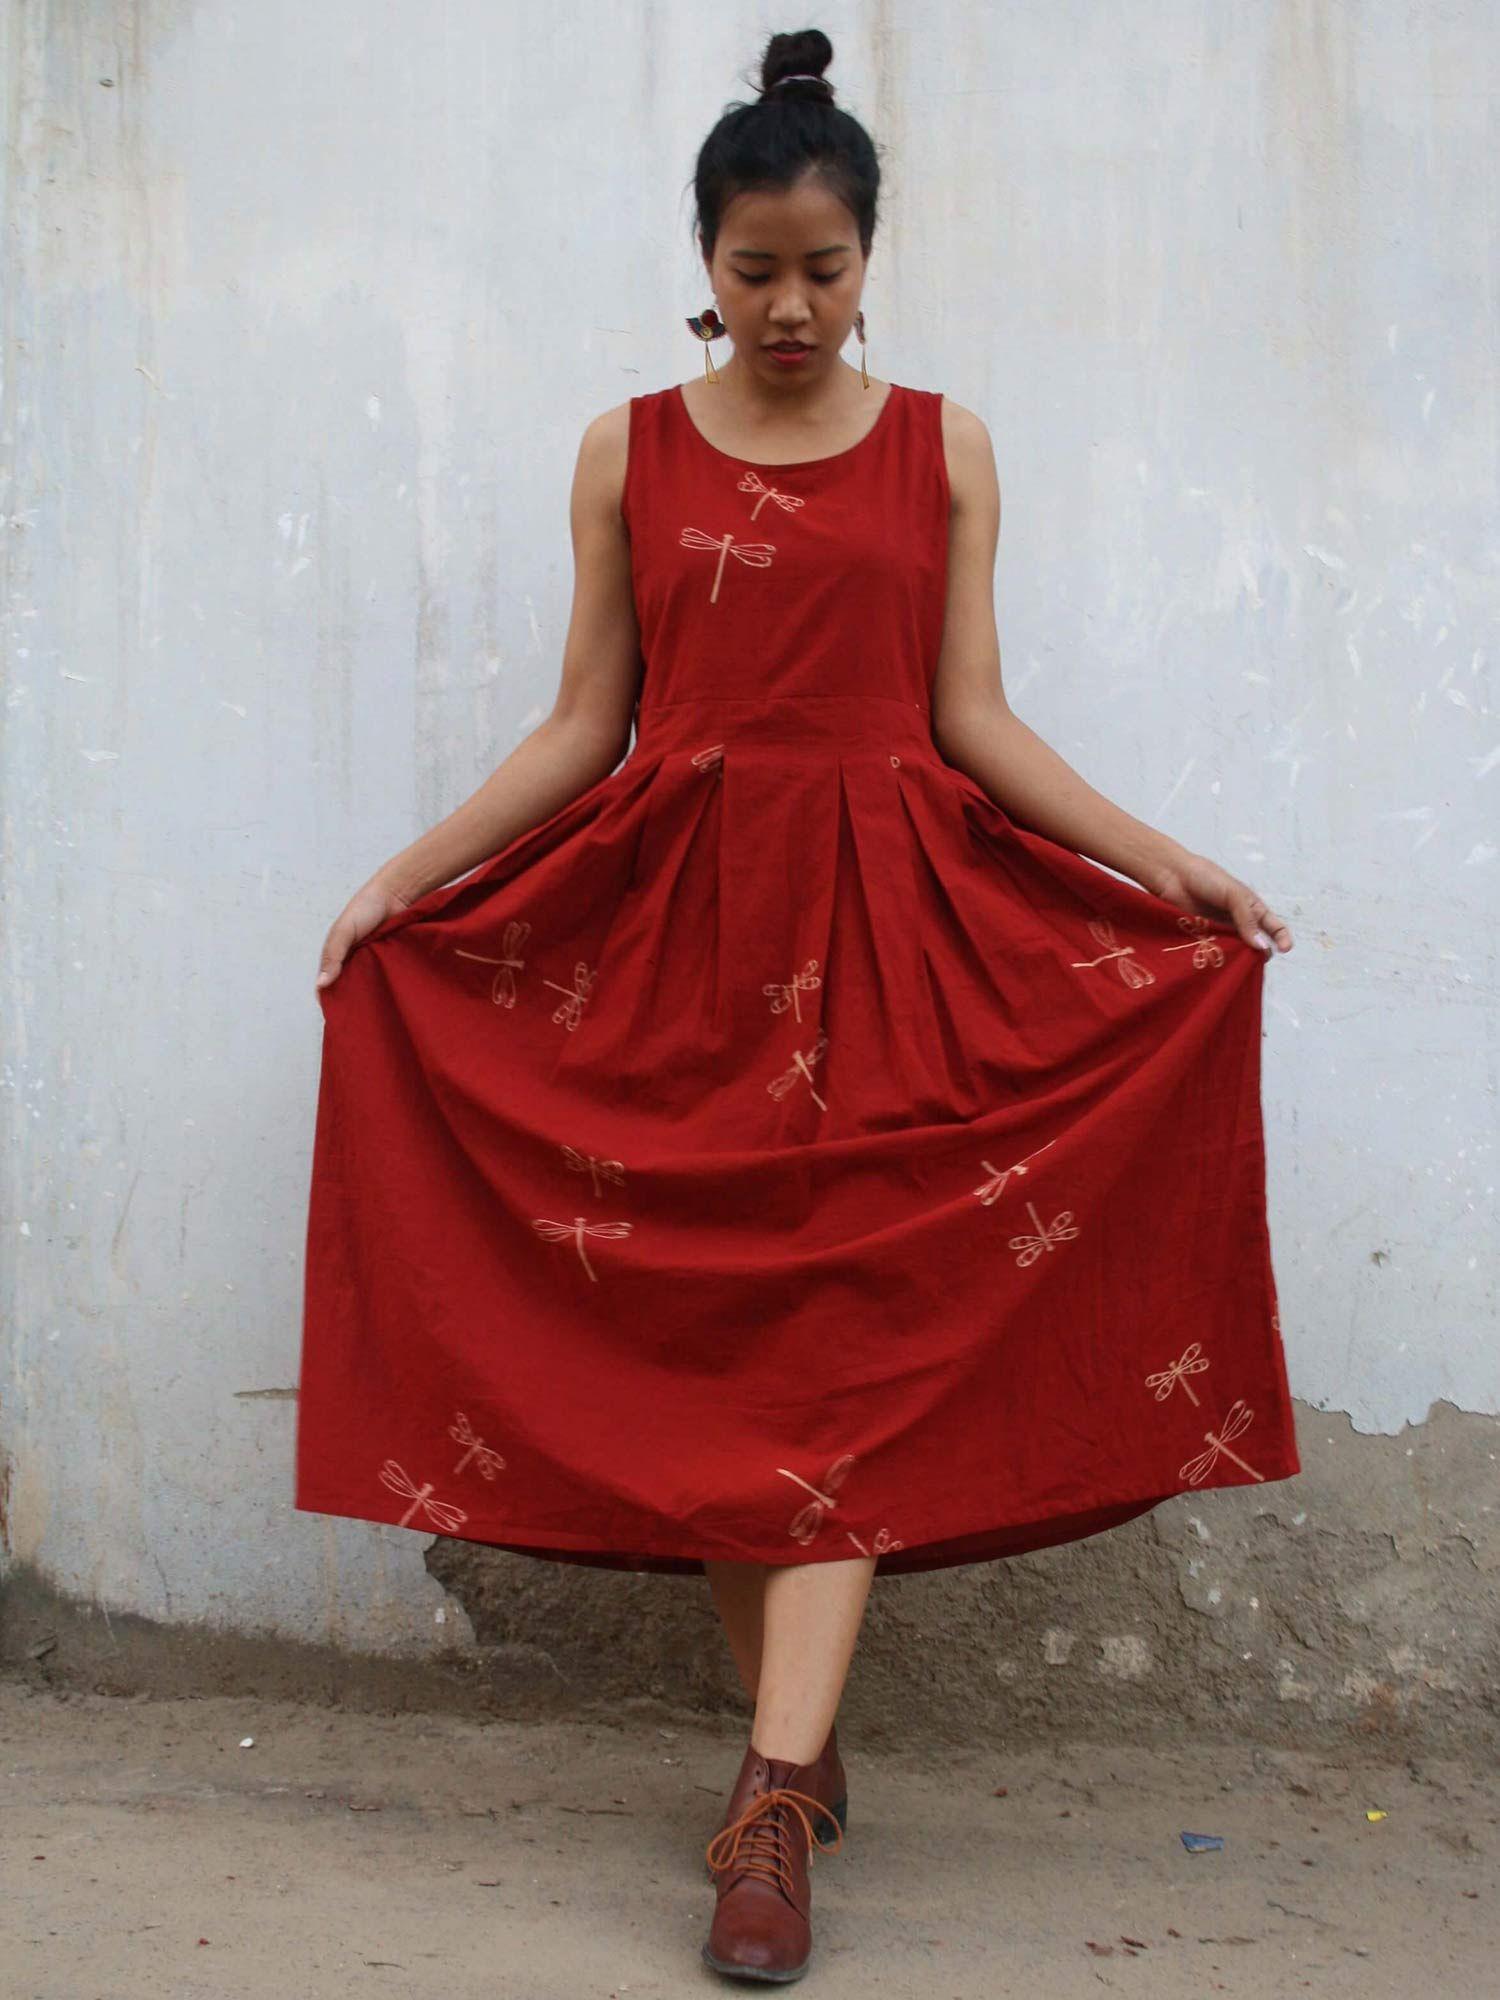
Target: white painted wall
{"x": 305, "y": 309}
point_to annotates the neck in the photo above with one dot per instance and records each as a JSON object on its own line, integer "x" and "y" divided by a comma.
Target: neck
{"x": 749, "y": 387}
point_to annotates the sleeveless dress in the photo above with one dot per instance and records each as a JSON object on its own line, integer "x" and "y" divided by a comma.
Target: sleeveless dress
{"x": 779, "y": 1154}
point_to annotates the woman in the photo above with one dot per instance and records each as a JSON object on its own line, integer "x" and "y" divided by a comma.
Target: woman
{"x": 789, "y": 1156}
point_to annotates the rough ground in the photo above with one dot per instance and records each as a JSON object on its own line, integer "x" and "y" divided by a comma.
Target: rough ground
{"x": 144, "y": 1852}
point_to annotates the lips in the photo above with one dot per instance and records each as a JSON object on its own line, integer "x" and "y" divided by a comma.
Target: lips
{"x": 789, "y": 346}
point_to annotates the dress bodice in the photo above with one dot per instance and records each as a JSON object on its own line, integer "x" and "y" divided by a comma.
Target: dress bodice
{"x": 822, "y": 578}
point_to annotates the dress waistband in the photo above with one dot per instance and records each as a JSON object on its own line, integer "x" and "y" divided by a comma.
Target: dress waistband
{"x": 789, "y": 722}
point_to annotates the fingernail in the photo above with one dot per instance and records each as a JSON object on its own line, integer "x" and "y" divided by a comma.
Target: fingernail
{"x": 1261, "y": 941}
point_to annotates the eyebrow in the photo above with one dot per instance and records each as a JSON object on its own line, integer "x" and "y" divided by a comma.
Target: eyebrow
{"x": 828, "y": 250}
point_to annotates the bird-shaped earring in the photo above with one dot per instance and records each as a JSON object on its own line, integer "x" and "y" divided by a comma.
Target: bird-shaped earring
{"x": 859, "y": 328}
{"x": 708, "y": 326}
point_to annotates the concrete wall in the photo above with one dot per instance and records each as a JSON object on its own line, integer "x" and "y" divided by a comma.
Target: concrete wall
{"x": 304, "y": 312}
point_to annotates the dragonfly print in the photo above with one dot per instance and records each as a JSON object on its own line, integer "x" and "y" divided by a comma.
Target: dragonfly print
{"x": 576, "y": 1231}
{"x": 503, "y": 986}
{"x": 801, "y": 1065}
{"x": 807, "y": 1521}
{"x": 756, "y": 554}
{"x": 1057, "y": 1230}
{"x": 990, "y": 1191}
{"x": 753, "y": 483}
{"x": 602, "y": 1170}
{"x": 438, "y": 1512}
{"x": 1192, "y": 1361}
{"x": 570, "y": 1011}
{"x": 488, "y": 1462}
{"x": 1238, "y": 1420}
{"x": 1127, "y": 964}
{"x": 879, "y": 1546}
{"x": 711, "y": 759}
{"x": 1204, "y": 946}
{"x": 781, "y": 997}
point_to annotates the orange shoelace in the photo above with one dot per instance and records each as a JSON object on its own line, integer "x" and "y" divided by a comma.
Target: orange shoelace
{"x": 758, "y": 1839}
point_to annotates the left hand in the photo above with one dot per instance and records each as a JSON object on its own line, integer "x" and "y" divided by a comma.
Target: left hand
{"x": 1203, "y": 888}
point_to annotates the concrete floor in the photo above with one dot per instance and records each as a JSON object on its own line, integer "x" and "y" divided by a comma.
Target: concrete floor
{"x": 146, "y": 1853}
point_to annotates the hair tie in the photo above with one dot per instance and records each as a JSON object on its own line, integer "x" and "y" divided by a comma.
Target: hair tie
{"x": 798, "y": 76}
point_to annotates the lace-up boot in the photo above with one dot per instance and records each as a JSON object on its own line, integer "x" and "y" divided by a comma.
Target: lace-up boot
{"x": 762, "y": 1923}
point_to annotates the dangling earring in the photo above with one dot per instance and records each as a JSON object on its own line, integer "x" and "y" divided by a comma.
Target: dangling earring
{"x": 859, "y": 328}
{"x": 708, "y": 326}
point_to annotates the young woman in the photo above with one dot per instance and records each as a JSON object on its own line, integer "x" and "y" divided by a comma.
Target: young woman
{"x": 826, "y": 1143}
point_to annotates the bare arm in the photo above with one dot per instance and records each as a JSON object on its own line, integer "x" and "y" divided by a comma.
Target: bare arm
{"x": 580, "y": 741}
{"x": 977, "y": 731}
{"x": 588, "y": 730}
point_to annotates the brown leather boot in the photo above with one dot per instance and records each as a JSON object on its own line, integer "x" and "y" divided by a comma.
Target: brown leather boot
{"x": 762, "y": 1924}
{"x": 824, "y": 1778}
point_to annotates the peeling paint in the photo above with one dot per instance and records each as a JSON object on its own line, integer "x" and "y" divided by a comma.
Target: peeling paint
{"x": 1124, "y": 1656}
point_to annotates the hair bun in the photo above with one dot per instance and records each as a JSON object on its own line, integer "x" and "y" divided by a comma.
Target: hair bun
{"x": 797, "y": 62}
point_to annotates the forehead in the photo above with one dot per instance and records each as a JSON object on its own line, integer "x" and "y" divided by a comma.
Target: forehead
{"x": 787, "y": 222}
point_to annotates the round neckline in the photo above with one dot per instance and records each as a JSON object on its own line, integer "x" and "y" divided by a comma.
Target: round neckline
{"x": 785, "y": 464}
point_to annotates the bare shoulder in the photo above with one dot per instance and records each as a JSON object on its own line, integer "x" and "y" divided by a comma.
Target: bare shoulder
{"x": 973, "y": 481}
{"x": 599, "y": 476}
{"x": 967, "y": 444}
{"x": 606, "y": 438}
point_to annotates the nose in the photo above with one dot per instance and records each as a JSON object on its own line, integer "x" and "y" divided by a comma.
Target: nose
{"x": 789, "y": 309}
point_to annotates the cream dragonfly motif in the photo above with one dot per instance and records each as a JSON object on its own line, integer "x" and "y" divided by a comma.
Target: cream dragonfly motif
{"x": 1129, "y": 967}
{"x": 570, "y": 1011}
{"x": 577, "y": 1230}
{"x": 1197, "y": 1469}
{"x": 1047, "y": 1233}
{"x": 782, "y": 997}
{"x": 801, "y": 1065}
{"x": 1192, "y": 1361}
{"x": 439, "y": 1512}
{"x": 753, "y": 483}
{"x": 711, "y": 759}
{"x": 1204, "y": 946}
{"x": 503, "y": 987}
{"x": 990, "y": 1191}
{"x": 589, "y": 1163}
{"x": 756, "y": 554}
{"x": 879, "y": 1546}
{"x": 807, "y": 1521}
{"x": 489, "y": 1462}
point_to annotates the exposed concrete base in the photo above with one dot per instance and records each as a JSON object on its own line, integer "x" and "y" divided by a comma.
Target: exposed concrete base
{"x": 1354, "y": 1604}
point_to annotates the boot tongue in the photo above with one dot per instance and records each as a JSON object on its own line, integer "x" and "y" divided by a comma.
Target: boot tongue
{"x": 781, "y": 1771}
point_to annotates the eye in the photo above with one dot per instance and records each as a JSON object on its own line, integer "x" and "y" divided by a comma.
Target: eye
{"x": 763, "y": 277}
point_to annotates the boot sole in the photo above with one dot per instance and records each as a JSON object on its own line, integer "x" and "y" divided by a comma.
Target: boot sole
{"x": 762, "y": 1972}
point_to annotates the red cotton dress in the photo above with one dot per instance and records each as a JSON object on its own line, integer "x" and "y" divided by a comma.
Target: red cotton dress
{"x": 780, "y": 1155}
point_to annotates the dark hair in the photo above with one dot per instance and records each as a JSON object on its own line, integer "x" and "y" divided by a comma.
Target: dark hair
{"x": 782, "y": 134}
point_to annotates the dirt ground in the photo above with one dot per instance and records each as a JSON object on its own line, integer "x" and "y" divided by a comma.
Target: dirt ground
{"x": 146, "y": 1850}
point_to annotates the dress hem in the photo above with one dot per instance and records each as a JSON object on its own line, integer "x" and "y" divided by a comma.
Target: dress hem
{"x": 941, "y": 1551}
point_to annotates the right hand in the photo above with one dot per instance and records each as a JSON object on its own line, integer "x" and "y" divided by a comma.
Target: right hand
{"x": 366, "y": 908}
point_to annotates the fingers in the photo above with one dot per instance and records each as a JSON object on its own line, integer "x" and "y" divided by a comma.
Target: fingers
{"x": 331, "y": 962}
{"x": 1258, "y": 923}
